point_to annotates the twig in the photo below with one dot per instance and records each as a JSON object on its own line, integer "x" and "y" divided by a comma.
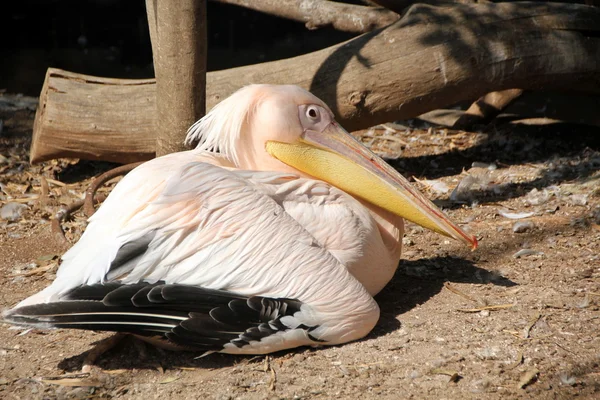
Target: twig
{"x": 527, "y": 329}
{"x": 454, "y": 376}
{"x": 273, "y": 379}
{"x": 320, "y": 13}
{"x": 514, "y": 333}
{"x": 88, "y": 205}
{"x": 45, "y": 192}
{"x": 517, "y": 362}
{"x": 55, "y": 182}
{"x": 458, "y": 292}
{"x": 562, "y": 347}
{"x": 38, "y": 270}
{"x": 489, "y": 308}
{"x": 392, "y": 139}
{"x": 64, "y": 212}
{"x": 90, "y": 198}
{"x": 528, "y": 377}
{"x": 486, "y": 108}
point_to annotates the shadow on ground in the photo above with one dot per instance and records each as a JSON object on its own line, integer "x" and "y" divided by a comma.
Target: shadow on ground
{"x": 132, "y": 353}
{"x": 508, "y": 145}
{"x": 417, "y": 281}
{"x": 569, "y": 152}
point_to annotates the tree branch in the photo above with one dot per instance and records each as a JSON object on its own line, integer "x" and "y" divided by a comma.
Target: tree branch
{"x": 486, "y": 108}
{"x": 320, "y": 13}
{"x": 90, "y": 193}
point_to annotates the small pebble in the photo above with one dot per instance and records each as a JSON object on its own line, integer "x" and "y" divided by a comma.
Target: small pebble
{"x": 578, "y": 199}
{"x": 510, "y": 215}
{"x": 527, "y": 252}
{"x": 414, "y": 374}
{"x": 12, "y": 211}
{"x": 477, "y": 164}
{"x": 522, "y": 226}
{"x": 537, "y": 197}
{"x": 479, "y": 386}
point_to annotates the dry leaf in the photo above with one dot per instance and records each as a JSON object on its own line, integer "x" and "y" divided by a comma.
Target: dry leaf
{"x": 169, "y": 380}
{"x": 454, "y": 376}
{"x": 38, "y": 271}
{"x": 47, "y": 257}
{"x": 55, "y": 182}
{"x": 533, "y": 321}
{"x": 115, "y": 371}
{"x": 527, "y": 378}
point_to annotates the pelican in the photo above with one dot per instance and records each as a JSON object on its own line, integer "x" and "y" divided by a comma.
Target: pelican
{"x": 275, "y": 232}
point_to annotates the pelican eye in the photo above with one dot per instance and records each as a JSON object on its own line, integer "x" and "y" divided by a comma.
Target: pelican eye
{"x": 313, "y": 117}
{"x": 312, "y": 113}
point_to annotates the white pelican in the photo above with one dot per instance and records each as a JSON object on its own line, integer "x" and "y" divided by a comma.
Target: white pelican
{"x": 275, "y": 232}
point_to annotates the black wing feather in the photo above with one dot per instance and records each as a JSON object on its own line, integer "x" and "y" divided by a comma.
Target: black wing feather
{"x": 124, "y": 294}
{"x": 143, "y": 298}
{"x": 188, "y": 316}
{"x": 91, "y": 292}
{"x": 123, "y": 262}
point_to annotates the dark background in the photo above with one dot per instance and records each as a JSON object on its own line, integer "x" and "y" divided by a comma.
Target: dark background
{"x": 110, "y": 38}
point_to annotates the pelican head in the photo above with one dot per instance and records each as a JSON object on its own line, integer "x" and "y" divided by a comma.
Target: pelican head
{"x": 285, "y": 128}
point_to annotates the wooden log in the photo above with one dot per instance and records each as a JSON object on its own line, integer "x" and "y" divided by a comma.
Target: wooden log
{"x": 180, "y": 69}
{"x": 82, "y": 116}
{"x": 433, "y": 57}
{"x": 317, "y": 14}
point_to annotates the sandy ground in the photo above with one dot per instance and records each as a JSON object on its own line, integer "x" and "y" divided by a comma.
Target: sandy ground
{"x": 518, "y": 318}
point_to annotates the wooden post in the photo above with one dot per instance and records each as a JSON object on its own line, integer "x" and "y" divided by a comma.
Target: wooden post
{"x": 178, "y": 35}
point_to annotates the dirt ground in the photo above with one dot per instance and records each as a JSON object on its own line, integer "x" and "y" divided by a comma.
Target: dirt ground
{"x": 518, "y": 318}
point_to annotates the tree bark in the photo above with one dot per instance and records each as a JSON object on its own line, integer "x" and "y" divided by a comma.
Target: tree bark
{"x": 179, "y": 67}
{"x": 152, "y": 25}
{"x": 317, "y": 14}
{"x": 82, "y": 116}
{"x": 433, "y": 57}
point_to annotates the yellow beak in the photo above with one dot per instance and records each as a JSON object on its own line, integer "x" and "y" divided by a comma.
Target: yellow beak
{"x": 334, "y": 156}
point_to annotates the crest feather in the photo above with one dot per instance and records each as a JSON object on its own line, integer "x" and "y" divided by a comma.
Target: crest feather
{"x": 220, "y": 129}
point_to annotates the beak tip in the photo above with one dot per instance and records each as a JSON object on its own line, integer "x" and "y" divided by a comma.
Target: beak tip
{"x": 474, "y": 243}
